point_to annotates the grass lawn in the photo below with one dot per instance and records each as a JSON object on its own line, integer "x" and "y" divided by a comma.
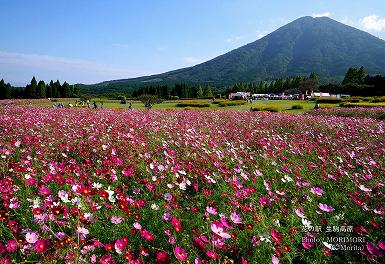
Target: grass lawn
{"x": 282, "y": 105}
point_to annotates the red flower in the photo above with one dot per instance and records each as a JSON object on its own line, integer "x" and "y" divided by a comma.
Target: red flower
{"x": 176, "y": 224}
{"x": 108, "y": 247}
{"x": 276, "y": 236}
{"x": 146, "y": 235}
{"x": 162, "y": 258}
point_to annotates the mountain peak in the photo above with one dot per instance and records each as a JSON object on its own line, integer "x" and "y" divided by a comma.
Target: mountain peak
{"x": 321, "y": 45}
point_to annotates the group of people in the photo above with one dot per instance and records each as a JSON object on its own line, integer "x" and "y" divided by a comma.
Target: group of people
{"x": 79, "y": 104}
{"x": 86, "y": 104}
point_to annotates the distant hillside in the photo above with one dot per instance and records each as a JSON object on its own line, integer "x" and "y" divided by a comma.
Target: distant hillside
{"x": 306, "y": 45}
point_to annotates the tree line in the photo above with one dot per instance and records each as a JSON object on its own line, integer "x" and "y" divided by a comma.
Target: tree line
{"x": 297, "y": 84}
{"x": 358, "y": 83}
{"x": 35, "y": 90}
{"x": 177, "y": 91}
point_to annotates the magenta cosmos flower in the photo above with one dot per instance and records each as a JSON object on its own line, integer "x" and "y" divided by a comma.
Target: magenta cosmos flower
{"x": 120, "y": 245}
{"x": 180, "y": 254}
{"x": 264, "y": 201}
{"x": 41, "y": 245}
{"x": 325, "y": 207}
{"x": 373, "y": 249}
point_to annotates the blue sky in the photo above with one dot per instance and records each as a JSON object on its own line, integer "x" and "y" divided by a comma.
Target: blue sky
{"x": 90, "y": 41}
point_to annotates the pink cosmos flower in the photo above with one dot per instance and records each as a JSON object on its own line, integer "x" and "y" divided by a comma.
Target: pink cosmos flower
{"x": 137, "y": 226}
{"x": 93, "y": 258}
{"x": 264, "y": 201}
{"x": 31, "y": 237}
{"x": 172, "y": 240}
{"x": 274, "y": 260}
{"x": 236, "y": 218}
{"x": 308, "y": 241}
{"x": 107, "y": 259}
{"x": 83, "y": 232}
{"x": 317, "y": 191}
{"x": 217, "y": 228}
{"x": 168, "y": 197}
{"x": 299, "y": 213}
{"x": 325, "y": 207}
{"x": 180, "y": 254}
{"x": 364, "y": 188}
{"x": 226, "y": 223}
{"x": 116, "y": 220}
{"x": 211, "y": 210}
{"x": 258, "y": 173}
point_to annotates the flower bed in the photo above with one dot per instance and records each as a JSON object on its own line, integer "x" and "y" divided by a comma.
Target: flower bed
{"x": 104, "y": 186}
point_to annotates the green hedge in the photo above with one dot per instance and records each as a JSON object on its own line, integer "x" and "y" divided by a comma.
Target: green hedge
{"x": 231, "y": 103}
{"x": 297, "y": 106}
{"x": 266, "y": 108}
{"x": 362, "y": 105}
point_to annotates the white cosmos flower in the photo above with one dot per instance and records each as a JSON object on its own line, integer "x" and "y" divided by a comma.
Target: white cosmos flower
{"x": 154, "y": 207}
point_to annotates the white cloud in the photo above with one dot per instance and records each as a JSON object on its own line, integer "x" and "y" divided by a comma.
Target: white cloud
{"x": 17, "y": 67}
{"x": 373, "y": 23}
{"x": 192, "y": 60}
{"x": 326, "y": 14}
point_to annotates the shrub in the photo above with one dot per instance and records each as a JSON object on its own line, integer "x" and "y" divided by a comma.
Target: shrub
{"x": 297, "y": 106}
{"x": 149, "y": 100}
{"x": 218, "y": 101}
{"x": 231, "y": 103}
{"x": 267, "y": 108}
{"x": 271, "y": 109}
{"x": 362, "y": 105}
{"x": 174, "y": 97}
{"x": 323, "y": 106}
{"x": 193, "y": 104}
{"x": 378, "y": 99}
{"x": 354, "y": 100}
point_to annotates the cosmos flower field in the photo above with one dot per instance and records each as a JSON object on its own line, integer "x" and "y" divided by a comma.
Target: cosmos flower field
{"x": 105, "y": 186}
